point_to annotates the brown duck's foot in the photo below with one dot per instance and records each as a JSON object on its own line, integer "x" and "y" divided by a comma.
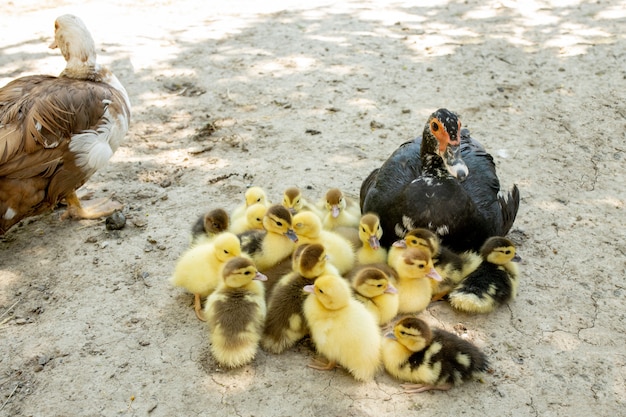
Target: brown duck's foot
{"x": 93, "y": 210}
{"x": 197, "y": 305}
{"x": 417, "y": 388}
{"x": 322, "y": 365}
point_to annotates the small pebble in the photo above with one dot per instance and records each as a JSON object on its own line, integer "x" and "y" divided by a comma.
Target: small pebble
{"x": 116, "y": 221}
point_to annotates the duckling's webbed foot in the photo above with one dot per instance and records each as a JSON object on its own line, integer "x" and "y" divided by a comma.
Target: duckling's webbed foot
{"x": 197, "y": 306}
{"x": 417, "y": 388}
{"x": 322, "y": 365}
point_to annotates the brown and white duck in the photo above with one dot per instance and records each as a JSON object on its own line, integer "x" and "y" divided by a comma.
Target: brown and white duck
{"x": 445, "y": 181}
{"x": 56, "y": 132}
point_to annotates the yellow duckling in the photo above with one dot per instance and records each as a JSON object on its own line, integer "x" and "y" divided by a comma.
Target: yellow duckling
{"x": 452, "y": 267}
{"x": 295, "y": 202}
{"x": 209, "y": 225}
{"x": 493, "y": 283}
{"x": 252, "y": 220}
{"x": 199, "y": 268}
{"x": 342, "y": 329}
{"x": 340, "y": 210}
{"x": 415, "y": 270}
{"x": 253, "y": 195}
{"x": 430, "y": 359}
{"x": 308, "y": 227}
{"x": 373, "y": 286}
{"x": 370, "y": 233}
{"x": 235, "y": 313}
{"x": 285, "y": 323}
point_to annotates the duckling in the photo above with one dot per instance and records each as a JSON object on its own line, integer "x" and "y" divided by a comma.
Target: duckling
{"x": 199, "y": 268}
{"x": 451, "y": 266}
{"x": 341, "y": 328}
{"x": 373, "y": 286}
{"x": 252, "y": 220}
{"x": 493, "y": 283}
{"x": 415, "y": 270}
{"x": 340, "y": 210}
{"x": 209, "y": 225}
{"x": 295, "y": 202}
{"x": 430, "y": 359}
{"x": 252, "y": 196}
{"x": 370, "y": 233}
{"x": 285, "y": 323}
{"x": 235, "y": 313}
{"x": 340, "y": 251}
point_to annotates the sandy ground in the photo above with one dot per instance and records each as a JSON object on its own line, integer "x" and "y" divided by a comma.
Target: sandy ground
{"x": 316, "y": 94}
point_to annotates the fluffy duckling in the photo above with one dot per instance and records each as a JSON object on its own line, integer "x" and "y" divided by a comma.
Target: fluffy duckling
{"x": 295, "y": 202}
{"x": 370, "y": 233}
{"x": 252, "y": 220}
{"x": 253, "y": 195}
{"x": 342, "y": 329}
{"x": 235, "y": 313}
{"x": 340, "y": 210}
{"x": 340, "y": 251}
{"x": 199, "y": 268}
{"x": 373, "y": 286}
{"x": 209, "y": 225}
{"x": 285, "y": 323}
{"x": 430, "y": 359}
{"x": 415, "y": 270}
{"x": 493, "y": 283}
{"x": 451, "y": 266}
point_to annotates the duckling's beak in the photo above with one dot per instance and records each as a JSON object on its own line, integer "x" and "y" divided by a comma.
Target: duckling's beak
{"x": 454, "y": 162}
{"x": 334, "y": 211}
{"x": 292, "y": 210}
{"x": 391, "y": 290}
{"x": 309, "y": 288}
{"x": 516, "y": 258}
{"x": 374, "y": 242}
{"x": 291, "y": 235}
{"x": 433, "y": 274}
{"x": 399, "y": 244}
{"x": 259, "y": 276}
{"x": 391, "y": 336}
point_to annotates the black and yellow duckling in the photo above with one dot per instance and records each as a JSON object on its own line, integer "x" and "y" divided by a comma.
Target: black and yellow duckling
{"x": 452, "y": 267}
{"x": 235, "y": 313}
{"x": 252, "y": 219}
{"x": 493, "y": 283}
{"x": 444, "y": 181}
{"x": 199, "y": 268}
{"x": 415, "y": 271}
{"x": 285, "y": 323}
{"x": 430, "y": 359}
{"x": 373, "y": 285}
{"x": 209, "y": 225}
{"x": 295, "y": 202}
{"x": 370, "y": 233}
{"x": 253, "y": 195}
{"x": 342, "y": 329}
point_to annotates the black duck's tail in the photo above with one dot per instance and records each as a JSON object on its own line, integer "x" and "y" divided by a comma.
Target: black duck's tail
{"x": 509, "y": 206}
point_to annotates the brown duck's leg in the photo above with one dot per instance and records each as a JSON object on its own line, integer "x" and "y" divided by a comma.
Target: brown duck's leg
{"x": 322, "y": 365}
{"x": 417, "y": 388}
{"x": 197, "y": 305}
{"x": 93, "y": 210}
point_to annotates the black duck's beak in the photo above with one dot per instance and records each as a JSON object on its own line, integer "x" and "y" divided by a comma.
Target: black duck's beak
{"x": 455, "y": 164}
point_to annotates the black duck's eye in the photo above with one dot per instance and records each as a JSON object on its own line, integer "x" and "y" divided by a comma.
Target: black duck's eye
{"x": 434, "y": 126}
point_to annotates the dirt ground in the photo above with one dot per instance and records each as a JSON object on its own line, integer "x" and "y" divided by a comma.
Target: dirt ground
{"x": 316, "y": 94}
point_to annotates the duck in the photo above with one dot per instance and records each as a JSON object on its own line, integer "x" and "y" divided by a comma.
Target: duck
{"x": 295, "y": 202}
{"x": 445, "y": 181}
{"x": 253, "y": 195}
{"x": 340, "y": 251}
{"x": 339, "y": 210}
{"x": 493, "y": 283}
{"x": 252, "y": 220}
{"x": 342, "y": 329}
{"x": 373, "y": 286}
{"x": 370, "y": 232}
{"x": 199, "y": 268}
{"x": 209, "y": 225}
{"x": 415, "y": 269}
{"x": 452, "y": 267}
{"x": 56, "y": 132}
{"x": 285, "y": 324}
{"x": 235, "y": 313}
{"x": 430, "y": 358}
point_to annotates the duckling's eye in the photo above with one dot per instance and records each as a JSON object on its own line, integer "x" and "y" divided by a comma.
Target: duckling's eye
{"x": 320, "y": 291}
{"x": 379, "y": 286}
{"x": 247, "y": 273}
{"x": 434, "y": 126}
{"x": 413, "y": 242}
{"x": 363, "y": 229}
{"x": 258, "y": 219}
{"x": 226, "y": 251}
{"x": 258, "y": 200}
{"x": 420, "y": 266}
{"x": 279, "y": 224}
{"x": 507, "y": 252}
